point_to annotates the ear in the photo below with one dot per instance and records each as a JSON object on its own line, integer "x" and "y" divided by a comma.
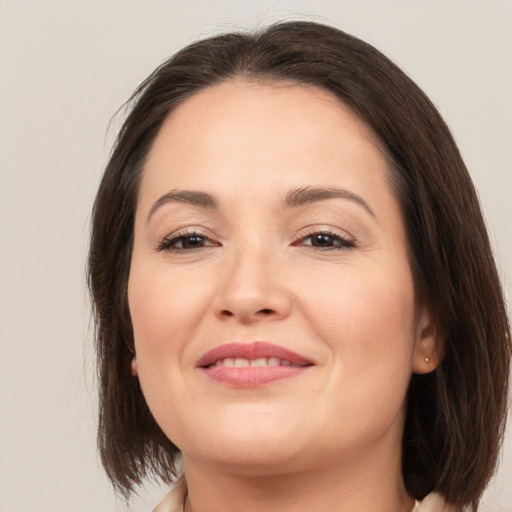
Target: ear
{"x": 133, "y": 367}
{"x": 429, "y": 344}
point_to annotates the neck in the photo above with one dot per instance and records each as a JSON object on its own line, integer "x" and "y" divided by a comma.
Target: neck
{"x": 370, "y": 484}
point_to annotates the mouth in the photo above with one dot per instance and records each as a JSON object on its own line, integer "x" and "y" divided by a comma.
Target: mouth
{"x": 252, "y": 364}
{"x": 241, "y": 362}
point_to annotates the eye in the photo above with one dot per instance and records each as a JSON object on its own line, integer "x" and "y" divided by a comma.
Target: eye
{"x": 325, "y": 240}
{"x": 185, "y": 241}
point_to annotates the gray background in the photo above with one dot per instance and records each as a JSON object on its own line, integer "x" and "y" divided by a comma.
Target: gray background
{"x": 65, "y": 68}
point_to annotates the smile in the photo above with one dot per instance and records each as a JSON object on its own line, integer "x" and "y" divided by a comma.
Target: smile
{"x": 249, "y": 365}
{"x": 240, "y": 362}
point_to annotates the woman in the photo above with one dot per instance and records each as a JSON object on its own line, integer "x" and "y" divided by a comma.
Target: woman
{"x": 293, "y": 286}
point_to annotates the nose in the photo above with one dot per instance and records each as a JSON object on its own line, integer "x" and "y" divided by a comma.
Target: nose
{"x": 253, "y": 288}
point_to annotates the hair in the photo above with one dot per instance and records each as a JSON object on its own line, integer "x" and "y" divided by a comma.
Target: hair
{"x": 455, "y": 415}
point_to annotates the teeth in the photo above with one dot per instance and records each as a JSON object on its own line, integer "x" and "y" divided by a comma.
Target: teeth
{"x": 241, "y": 362}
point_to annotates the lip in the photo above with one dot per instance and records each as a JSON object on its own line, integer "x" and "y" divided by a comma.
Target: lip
{"x": 252, "y": 376}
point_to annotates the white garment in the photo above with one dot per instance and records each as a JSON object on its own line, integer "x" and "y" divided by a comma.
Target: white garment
{"x": 174, "y": 501}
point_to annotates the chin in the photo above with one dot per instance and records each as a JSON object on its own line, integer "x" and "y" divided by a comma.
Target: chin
{"x": 251, "y": 448}
{"x": 253, "y": 459}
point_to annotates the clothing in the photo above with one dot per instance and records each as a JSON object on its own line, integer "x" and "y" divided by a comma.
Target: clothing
{"x": 175, "y": 501}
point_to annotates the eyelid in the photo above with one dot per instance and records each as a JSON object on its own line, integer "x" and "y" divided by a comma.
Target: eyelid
{"x": 347, "y": 240}
{"x": 314, "y": 229}
{"x": 165, "y": 243}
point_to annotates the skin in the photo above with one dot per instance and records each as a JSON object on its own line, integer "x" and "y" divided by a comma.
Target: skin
{"x": 328, "y": 439}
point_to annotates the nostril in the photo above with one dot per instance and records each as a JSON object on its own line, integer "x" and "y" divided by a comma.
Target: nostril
{"x": 248, "y": 315}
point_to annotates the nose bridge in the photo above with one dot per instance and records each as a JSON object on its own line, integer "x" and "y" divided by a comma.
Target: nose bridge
{"x": 252, "y": 287}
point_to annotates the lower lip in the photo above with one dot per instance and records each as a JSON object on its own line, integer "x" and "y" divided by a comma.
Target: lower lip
{"x": 252, "y": 376}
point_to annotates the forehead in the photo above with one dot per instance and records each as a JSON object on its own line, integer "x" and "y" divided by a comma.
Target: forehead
{"x": 263, "y": 136}
{"x": 235, "y": 107}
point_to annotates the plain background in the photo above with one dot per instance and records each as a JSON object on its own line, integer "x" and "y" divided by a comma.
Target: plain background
{"x": 65, "y": 68}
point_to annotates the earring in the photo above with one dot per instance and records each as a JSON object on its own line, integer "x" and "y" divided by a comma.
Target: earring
{"x": 133, "y": 367}
{"x": 427, "y": 360}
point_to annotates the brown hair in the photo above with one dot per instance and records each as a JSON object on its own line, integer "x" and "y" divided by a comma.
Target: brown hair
{"x": 456, "y": 414}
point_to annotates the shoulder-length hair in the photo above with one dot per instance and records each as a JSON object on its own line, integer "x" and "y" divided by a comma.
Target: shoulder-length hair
{"x": 456, "y": 414}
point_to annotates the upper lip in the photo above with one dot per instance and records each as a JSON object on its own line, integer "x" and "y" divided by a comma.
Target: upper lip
{"x": 254, "y": 350}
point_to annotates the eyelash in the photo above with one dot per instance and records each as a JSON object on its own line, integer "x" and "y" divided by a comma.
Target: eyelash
{"x": 342, "y": 242}
{"x": 169, "y": 242}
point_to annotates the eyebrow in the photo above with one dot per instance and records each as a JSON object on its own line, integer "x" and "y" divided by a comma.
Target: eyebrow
{"x": 294, "y": 199}
{"x": 308, "y": 195}
{"x": 192, "y": 197}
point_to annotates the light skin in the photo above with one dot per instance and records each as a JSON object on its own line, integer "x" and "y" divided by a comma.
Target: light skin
{"x": 295, "y": 238}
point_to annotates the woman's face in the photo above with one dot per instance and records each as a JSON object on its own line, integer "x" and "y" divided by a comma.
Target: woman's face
{"x": 265, "y": 224}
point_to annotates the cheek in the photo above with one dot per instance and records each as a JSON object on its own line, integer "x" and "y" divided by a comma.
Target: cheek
{"x": 165, "y": 308}
{"x": 367, "y": 320}
{"x": 165, "y": 313}
{"x": 368, "y": 324}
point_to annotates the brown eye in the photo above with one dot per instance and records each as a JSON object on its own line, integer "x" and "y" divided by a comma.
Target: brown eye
{"x": 190, "y": 242}
{"x": 326, "y": 241}
{"x": 322, "y": 240}
{"x": 185, "y": 242}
